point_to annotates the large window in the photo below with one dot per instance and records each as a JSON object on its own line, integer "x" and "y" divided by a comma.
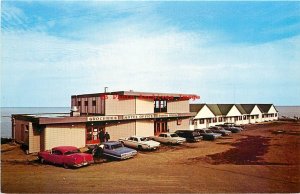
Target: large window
{"x": 160, "y": 106}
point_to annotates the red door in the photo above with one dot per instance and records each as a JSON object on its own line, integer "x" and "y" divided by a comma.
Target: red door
{"x": 160, "y": 127}
{"x": 92, "y": 135}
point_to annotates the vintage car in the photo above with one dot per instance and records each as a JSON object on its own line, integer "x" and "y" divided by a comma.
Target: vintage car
{"x": 115, "y": 149}
{"x": 235, "y": 125}
{"x": 221, "y": 130}
{"x": 232, "y": 129}
{"x": 208, "y": 134}
{"x": 141, "y": 143}
{"x": 189, "y": 135}
{"x": 168, "y": 138}
{"x": 68, "y": 156}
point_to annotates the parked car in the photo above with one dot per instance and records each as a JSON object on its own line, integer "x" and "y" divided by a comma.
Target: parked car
{"x": 141, "y": 143}
{"x": 208, "y": 134}
{"x": 221, "y": 130}
{"x": 229, "y": 128}
{"x": 68, "y": 156}
{"x": 235, "y": 125}
{"x": 169, "y": 138}
{"x": 189, "y": 135}
{"x": 115, "y": 149}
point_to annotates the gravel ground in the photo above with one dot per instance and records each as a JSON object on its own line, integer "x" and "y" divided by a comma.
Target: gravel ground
{"x": 262, "y": 158}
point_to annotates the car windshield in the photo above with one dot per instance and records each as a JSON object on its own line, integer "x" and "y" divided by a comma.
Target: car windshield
{"x": 174, "y": 135}
{"x": 115, "y": 146}
{"x": 72, "y": 152}
{"x": 145, "y": 139}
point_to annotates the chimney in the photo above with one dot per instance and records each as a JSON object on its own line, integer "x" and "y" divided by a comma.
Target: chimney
{"x": 74, "y": 112}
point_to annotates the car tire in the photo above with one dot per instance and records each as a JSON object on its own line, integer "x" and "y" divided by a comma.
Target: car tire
{"x": 42, "y": 160}
{"x": 140, "y": 147}
{"x": 66, "y": 166}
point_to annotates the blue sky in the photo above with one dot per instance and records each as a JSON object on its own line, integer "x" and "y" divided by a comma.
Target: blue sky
{"x": 226, "y": 52}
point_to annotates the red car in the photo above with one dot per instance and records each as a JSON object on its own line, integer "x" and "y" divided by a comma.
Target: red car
{"x": 68, "y": 156}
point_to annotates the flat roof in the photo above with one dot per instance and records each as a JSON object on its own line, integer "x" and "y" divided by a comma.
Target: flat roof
{"x": 60, "y": 118}
{"x": 135, "y": 93}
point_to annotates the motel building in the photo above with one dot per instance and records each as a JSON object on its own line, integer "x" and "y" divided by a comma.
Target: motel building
{"x": 214, "y": 114}
{"x": 121, "y": 114}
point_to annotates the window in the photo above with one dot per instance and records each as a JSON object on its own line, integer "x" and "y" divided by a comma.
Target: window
{"x": 275, "y": 114}
{"x": 252, "y": 116}
{"x": 94, "y": 103}
{"x": 86, "y": 103}
{"x": 160, "y": 106}
{"x": 135, "y": 139}
{"x": 208, "y": 120}
{"x": 26, "y": 128}
{"x": 244, "y": 117}
{"x": 56, "y": 152}
{"x": 179, "y": 121}
{"x": 79, "y": 103}
{"x": 201, "y": 121}
{"x": 220, "y": 119}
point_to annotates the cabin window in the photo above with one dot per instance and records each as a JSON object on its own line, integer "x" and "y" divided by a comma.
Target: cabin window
{"x": 86, "y": 103}
{"x": 94, "y": 103}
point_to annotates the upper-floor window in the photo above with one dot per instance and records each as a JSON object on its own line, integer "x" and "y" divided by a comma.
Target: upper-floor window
{"x": 85, "y": 103}
{"x": 94, "y": 103}
{"x": 160, "y": 106}
{"x": 78, "y": 103}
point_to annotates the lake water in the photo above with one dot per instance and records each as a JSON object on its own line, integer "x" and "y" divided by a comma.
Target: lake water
{"x": 288, "y": 111}
{"x": 5, "y": 122}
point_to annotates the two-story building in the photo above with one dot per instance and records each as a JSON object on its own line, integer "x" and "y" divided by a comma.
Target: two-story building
{"x": 121, "y": 114}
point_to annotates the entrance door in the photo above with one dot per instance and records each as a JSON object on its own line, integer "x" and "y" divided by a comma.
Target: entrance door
{"x": 92, "y": 135}
{"x": 160, "y": 127}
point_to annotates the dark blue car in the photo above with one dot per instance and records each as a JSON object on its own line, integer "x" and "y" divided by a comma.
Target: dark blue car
{"x": 116, "y": 150}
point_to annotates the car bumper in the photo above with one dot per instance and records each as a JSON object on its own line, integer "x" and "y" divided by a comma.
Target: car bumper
{"x": 82, "y": 164}
{"x": 127, "y": 156}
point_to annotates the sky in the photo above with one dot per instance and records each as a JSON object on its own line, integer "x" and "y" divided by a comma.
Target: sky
{"x": 225, "y": 52}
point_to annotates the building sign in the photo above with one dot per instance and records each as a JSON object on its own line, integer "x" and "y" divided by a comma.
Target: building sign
{"x": 129, "y": 117}
{"x": 102, "y": 118}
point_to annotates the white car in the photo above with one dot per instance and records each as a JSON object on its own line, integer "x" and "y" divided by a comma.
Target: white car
{"x": 169, "y": 138}
{"x": 141, "y": 143}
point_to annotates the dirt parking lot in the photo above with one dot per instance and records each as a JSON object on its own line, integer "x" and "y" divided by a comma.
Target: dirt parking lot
{"x": 262, "y": 158}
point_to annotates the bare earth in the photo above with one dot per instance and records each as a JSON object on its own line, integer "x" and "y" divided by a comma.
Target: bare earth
{"x": 257, "y": 160}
